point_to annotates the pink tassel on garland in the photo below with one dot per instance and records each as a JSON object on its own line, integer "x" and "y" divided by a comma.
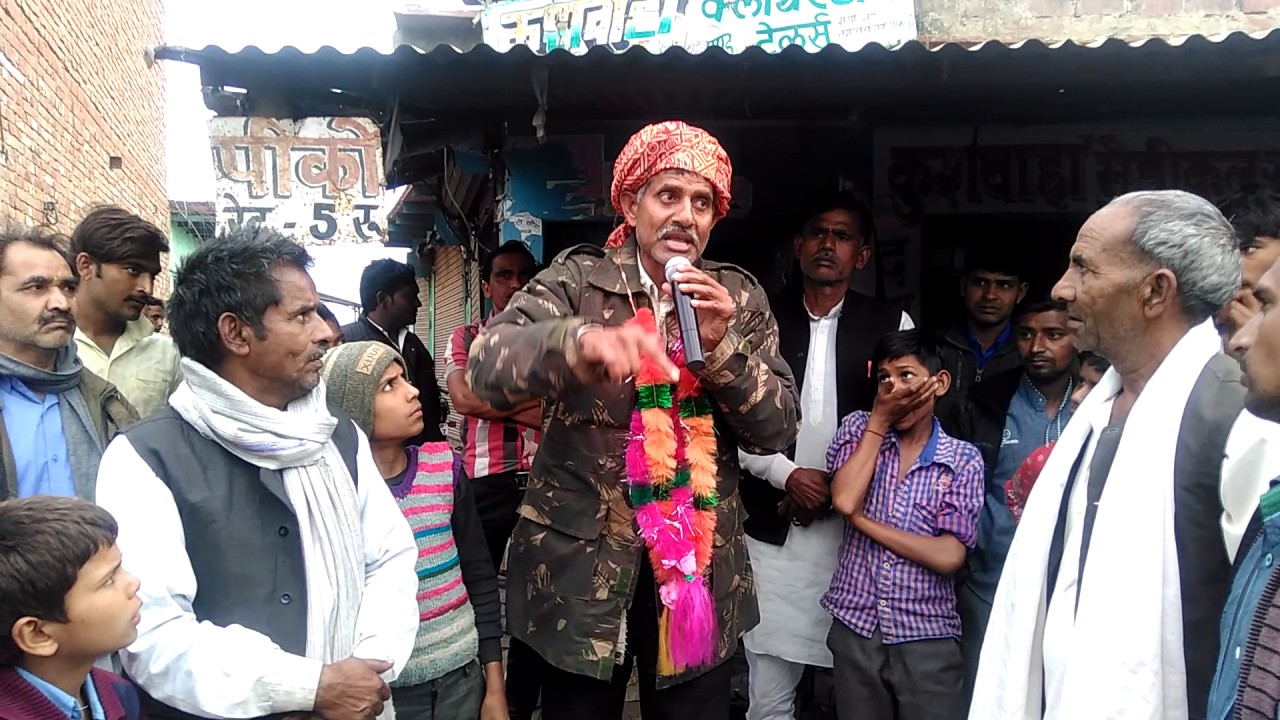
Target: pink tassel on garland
{"x": 691, "y": 631}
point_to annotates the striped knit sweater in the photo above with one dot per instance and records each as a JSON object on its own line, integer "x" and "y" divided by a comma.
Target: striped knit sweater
{"x": 447, "y": 637}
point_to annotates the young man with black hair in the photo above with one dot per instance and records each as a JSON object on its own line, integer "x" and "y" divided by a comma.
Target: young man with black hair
{"x": 911, "y": 495}
{"x": 116, "y": 255}
{"x": 56, "y": 417}
{"x": 65, "y": 601}
{"x": 334, "y": 326}
{"x": 1254, "y": 213}
{"x": 1008, "y": 417}
{"x": 826, "y": 332}
{"x": 154, "y": 311}
{"x": 499, "y": 447}
{"x": 389, "y": 294}
{"x": 981, "y": 344}
{"x": 277, "y": 570}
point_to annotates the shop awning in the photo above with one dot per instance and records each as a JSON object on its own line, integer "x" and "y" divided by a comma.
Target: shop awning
{"x": 1235, "y": 74}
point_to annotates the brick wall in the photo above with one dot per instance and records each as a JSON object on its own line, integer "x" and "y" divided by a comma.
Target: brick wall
{"x": 76, "y": 92}
{"x": 1083, "y": 20}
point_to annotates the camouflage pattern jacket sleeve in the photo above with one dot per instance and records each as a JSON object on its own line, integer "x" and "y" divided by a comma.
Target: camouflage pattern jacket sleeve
{"x": 746, "y": 375}
{"x": 529, "y": 349}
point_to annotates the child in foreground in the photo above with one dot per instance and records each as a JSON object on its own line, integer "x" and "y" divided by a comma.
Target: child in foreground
{"x": 455, "y": 671}
{"x": 911, "y": 495}
{"x": 65, "y": 601}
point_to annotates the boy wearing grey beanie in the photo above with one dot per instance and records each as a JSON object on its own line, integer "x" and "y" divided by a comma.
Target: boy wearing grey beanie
{"x": 455, "y": 671}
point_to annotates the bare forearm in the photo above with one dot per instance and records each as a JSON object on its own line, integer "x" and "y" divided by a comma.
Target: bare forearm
{"x": 494, "y": 681}
{"x": 530, "y": 416}
{"x": 849, "y": 487}
{"x": 943, "y": 554}
{"x": 466, "y": 403}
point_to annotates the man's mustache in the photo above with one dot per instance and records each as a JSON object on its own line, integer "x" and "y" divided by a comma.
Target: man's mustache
{"x": 57, "y": 316}
{"x": 675, "y": 229}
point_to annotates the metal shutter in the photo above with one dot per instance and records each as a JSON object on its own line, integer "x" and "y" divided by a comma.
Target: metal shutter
{"x": 475, "y": 303}
{"x": 449, "y": 311}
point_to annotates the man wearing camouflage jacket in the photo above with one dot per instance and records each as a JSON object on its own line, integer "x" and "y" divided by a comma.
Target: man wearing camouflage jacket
{"x": 581, "y": 586}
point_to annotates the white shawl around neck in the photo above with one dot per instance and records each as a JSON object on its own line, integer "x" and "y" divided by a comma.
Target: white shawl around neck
{"x": 1126, "y": 658}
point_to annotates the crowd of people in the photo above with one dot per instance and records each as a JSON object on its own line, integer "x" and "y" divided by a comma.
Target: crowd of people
{"x": 260, "y": 514}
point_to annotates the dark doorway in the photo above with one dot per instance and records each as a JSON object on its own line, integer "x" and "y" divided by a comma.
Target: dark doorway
{"x": 1038, "y": 243}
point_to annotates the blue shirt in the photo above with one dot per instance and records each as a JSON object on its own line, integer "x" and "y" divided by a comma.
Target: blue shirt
{"x": 983, "y": 356}
{"x": 69, "y": 706}
{"x": 39, "y": 446}
{"x": 1027, "y": 428}
{"x": 1247, "y": 585}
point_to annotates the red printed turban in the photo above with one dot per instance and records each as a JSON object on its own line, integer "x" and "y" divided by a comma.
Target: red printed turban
{"x": 670, "y": 145}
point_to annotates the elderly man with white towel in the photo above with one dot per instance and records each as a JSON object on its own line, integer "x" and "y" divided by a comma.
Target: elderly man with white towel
{"x": 1110, "y": 599}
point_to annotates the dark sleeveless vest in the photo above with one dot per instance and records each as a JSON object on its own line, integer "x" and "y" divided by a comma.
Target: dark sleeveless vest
{"x": 241, "y": 534}
{"x": 863, "y": 321}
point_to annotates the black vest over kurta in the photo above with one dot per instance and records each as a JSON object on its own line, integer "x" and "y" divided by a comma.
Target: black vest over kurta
{"x": 241, "y": 533}
{"x": 863, "y": 321}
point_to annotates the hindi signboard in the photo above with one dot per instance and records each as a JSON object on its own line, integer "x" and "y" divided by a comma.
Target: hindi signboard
{"x": 318, "y": 180}
{"x": 579, "y": 25}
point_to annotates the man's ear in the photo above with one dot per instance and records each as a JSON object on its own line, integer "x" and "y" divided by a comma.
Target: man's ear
{"x": 630, "y": 206}
{"x": 862, "y": 258}
{"x": 944, "y": 383}
{"x": 234, "y": 334}
{"x": 1022, "y": 293}
{"x": 83, "y": 265}
{"x": 29, "y": 635}
{"x": 1160, "y": 292}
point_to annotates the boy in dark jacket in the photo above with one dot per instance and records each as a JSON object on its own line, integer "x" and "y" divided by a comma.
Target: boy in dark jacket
{"x": 65, "y": 601}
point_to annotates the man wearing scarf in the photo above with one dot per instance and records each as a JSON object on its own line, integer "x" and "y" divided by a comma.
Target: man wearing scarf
{"x": 629, "y": 550}
{"x": 56, "y": 416}
{"x": 277, "y": 570}
{"x": 1108, "y": 604}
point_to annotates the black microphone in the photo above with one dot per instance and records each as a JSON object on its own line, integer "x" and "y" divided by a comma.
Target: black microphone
{"x": 687, "y": 316}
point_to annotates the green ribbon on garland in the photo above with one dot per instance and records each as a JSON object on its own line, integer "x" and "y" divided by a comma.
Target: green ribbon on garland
{"x": 695, "y": 407}
{"x": 649, "y": 397}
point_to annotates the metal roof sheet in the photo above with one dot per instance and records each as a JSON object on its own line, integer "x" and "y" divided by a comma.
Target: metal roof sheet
{"x": 445, "y": 90}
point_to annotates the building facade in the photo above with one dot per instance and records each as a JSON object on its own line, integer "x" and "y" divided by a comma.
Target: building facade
{"x": 81, "y": 112}
{"x": 1010, "y": 21}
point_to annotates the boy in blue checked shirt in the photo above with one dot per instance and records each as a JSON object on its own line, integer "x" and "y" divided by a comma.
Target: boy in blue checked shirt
{"x": 912, "y": 495}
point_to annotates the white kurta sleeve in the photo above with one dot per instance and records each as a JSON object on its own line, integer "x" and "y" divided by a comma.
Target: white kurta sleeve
{"x": 194, "y": 666}
{"x": 775, "y": 468}
{"x": 906, "y": 323}
{"x": 388, "y": 621}
{"x": 1252, "y": 461}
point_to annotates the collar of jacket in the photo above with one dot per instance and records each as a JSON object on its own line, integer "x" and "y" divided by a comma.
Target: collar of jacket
{"x": 618, "y": 272}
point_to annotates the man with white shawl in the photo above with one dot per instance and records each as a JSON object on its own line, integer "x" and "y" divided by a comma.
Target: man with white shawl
{"x": 277, "y": 571}
{"x": 1109, "y": 600}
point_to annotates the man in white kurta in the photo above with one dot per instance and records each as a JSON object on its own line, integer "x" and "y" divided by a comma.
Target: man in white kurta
{"x": 791, "y": 578}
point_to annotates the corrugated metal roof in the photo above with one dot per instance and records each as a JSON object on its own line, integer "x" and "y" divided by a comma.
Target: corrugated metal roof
{"x": 1027, "y": 81}
{"x": 213, "y": 53}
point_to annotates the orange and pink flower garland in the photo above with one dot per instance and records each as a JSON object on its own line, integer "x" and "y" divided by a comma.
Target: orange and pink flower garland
{"x": 671, "y": 473}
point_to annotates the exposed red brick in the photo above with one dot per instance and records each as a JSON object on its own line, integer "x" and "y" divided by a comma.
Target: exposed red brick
{"x": 1086, "y": 8}
{"x": 1259, "y": 6}
{"x": 1050, "y": 8}
{"x": 86, "y": 94}
{"x": 1211, "y": 7}
{"x": 1157, "y": 8}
